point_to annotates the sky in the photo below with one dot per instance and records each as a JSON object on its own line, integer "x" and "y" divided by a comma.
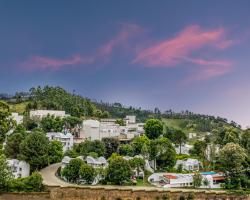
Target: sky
{"x": 172, "y": 54}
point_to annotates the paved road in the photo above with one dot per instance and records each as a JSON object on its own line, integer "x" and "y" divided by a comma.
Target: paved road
{"x": 50, "y": 179}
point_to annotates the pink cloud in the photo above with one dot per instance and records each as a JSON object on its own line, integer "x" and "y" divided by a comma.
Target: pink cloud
{"x": 171, "y": 52}
{"x": 210, "y": 72}
{"x": 42, "y": 62}
{"x": 103, "y": 53}
{"x": 127, "y": 32}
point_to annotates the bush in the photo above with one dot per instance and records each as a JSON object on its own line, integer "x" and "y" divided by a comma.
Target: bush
{"x": 32, "y": 183}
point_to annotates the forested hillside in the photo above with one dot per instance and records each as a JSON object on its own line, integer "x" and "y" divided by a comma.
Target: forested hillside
{"x": 57, "y": 98}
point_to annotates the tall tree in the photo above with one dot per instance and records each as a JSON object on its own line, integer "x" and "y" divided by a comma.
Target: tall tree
{"x": 86, "y": 147}
{"x": 138, "y": 143}
{"x": 5, "y": 173}
{"x": 162, "y": 151}
{"x": 5, "y": 122}
{"x": 153, "y": 128}
{"x": 233, "y": 158}
{"x": 111, "y": 146}
{"x": 197, "y": 180}
{"x": 72, "y": 171}
{"x": 55, "y": 152}
{"x": 119, "y": 171}
{"x": 34, "y": 150}
{"x": 87, "y": 173}
{"x": 179, "y": 138}
{"x": 245, "y": 140}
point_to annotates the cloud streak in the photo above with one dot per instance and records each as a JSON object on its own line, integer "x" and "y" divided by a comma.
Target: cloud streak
{"x": 102, "y": 54}
{"x": 194, "y": 47}
{"x": 179, "y": 50}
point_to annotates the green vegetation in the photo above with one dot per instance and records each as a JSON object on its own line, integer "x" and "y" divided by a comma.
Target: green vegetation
{"x": 161, "y": 131}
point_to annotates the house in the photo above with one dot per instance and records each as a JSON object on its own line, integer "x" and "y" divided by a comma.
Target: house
{"x": 189, "y": 164}
{"x": 96, "y": 162}
{"x": 95, "y": 130}
{"x": 39, "y": 114}
{"x": 17, "y": 118}
{"x": 65, "y": 138}
{"x": 174, "y": 180}
{"x": 19, "y": 169}
{"x": 67, "y": 159}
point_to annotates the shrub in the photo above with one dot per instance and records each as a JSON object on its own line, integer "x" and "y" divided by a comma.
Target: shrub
{"x": 32, "y": 183}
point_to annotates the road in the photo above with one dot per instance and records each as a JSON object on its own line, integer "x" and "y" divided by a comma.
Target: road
{"x": 50, "y": 179}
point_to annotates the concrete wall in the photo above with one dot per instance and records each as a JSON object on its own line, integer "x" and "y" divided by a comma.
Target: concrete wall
{"x": 85, "y": 193}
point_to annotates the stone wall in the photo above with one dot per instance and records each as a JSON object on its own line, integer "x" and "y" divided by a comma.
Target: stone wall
{"x": 87, "y": 193}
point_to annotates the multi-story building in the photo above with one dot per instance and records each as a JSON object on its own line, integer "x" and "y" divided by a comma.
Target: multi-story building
{"x": 65, "y": 138}
{"x": 19, "y": 169}
{"x": 43, "y": 113}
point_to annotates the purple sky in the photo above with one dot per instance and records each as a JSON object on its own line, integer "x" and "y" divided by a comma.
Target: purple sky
{"x": 168, "y": 54}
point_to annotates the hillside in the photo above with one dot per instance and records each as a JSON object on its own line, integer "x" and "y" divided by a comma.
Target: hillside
{"x": 56, "y": 98}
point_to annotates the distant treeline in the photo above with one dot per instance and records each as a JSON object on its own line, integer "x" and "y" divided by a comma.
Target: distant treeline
{"x": 57, "y": 98}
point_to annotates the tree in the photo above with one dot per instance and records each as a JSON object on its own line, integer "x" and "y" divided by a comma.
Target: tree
{"x": 199, "y": 149}
{"x": 137, "y": 163}
{"x": 162, "y": 151}
{"x": 55, "y": 152}
{"x": 5, "y": 122}
{"x": 118, "y": 171}
{"x": 179, "y": 138}
{"x": 126, "y": 150}
{"x": 87, "y": 173}
{"x": 31, "y": 183}
{"x": 138, "y": 143}
{"x": 111, "y": 146}
{"x": 72, "y": 171}
{"x": 52, "y": 123}
{"x": 245, "y": 140}
{"x": 71, "y": 122}
{"x": 5, "y": 173}
{"x": 12, "y": 147}
{"x": 206, "y": 182}
{"x": 153, "y": 128}
{"x": 232, "y": 157}
{"x": 84, "y": 148}
{"x": 120, "y": 122}
{"x": 34, "y": 150}
{"x": 197, "y": 180}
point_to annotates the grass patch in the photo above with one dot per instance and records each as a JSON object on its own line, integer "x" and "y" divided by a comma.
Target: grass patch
{"x": 18, "y": 107}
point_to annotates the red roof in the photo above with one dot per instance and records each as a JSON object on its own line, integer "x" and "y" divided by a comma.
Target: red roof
{"x": 169, "y": 176}
{"x": 218, "y": 178}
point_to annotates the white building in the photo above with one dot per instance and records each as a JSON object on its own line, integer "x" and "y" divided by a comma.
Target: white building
{"x": 96, "y": 162}
{"x": 65, "y": 138}
{"x": 189, "y": 164}
{"x": 43, "y": 113}
{"x": 19, "y": 169}
{"x": 18, "y": 118}
{"x": 95, "y": 130}
{"x": 130, "y": 119}
{"x": 174, "y": 180}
